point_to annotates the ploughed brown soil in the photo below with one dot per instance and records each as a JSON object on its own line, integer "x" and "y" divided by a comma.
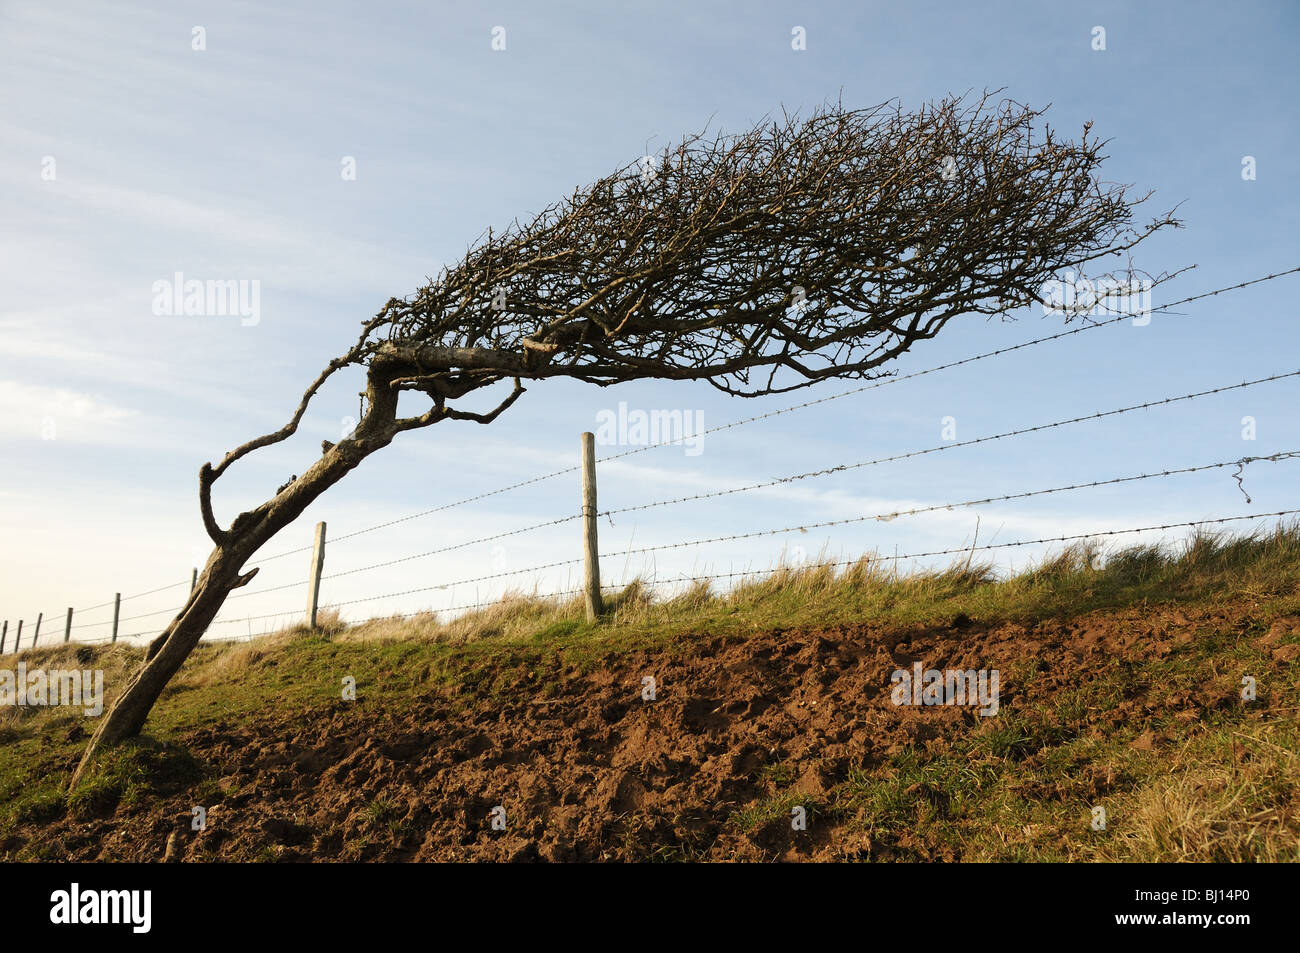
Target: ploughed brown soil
{"x": 587, "y": 770}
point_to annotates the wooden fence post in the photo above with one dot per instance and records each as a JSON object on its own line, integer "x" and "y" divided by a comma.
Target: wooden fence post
{"x": 18, "y": 636}
{"x": 194, "y": 579}
{"x": 117, "y": 607}
{"x": 36, "y": 633}
{"x": 590, "y": 553}
{"x": 313, "y": 583}
{"x": 4, "y": 633}
{"x": 67, "y": 626}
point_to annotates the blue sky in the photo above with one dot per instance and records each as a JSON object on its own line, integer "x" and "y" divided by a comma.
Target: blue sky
{"x": 225, "y": 163}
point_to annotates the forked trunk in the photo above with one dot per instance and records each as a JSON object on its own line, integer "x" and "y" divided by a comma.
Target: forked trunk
{"x": 222, "y": 575}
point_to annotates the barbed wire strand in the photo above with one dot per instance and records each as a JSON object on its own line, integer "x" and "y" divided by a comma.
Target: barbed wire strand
{"x": 942, "y": 447}
{"x": 746, "y": 488}
{"x": 446, "y": 549}
{"x": 896, "y": 557}
{"x": 803, "y": 528}
{"x": 962, "y": 550}
{"x": 719, "y": 493}
{"x": 883, "y": 517}
{"x": 889, "y": 517}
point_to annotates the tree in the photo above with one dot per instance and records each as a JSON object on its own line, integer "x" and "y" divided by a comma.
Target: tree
{"x": 802, "y": 250}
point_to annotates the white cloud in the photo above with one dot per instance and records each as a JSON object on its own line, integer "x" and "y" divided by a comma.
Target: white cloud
{"x": 57, "y": 413}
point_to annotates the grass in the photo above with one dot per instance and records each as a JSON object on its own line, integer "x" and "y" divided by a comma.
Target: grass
{"x": 1229, "y": 790}
{"x": 1206, "y": 569}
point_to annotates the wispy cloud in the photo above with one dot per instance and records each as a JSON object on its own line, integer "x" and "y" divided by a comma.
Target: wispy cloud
{"x": 59, "y": 413}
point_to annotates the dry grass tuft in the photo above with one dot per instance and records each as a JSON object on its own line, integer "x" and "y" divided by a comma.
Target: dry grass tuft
{"x": 1214, "y": 814}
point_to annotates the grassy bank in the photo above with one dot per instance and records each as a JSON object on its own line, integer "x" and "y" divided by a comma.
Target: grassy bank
{"x": 1187, "y": 770}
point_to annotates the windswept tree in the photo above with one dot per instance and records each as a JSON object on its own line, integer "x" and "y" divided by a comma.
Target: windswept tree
{"x": 802, "y": 250}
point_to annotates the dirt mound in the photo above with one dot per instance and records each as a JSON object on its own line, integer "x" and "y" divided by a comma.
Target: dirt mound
{"x": 582, "y": 764}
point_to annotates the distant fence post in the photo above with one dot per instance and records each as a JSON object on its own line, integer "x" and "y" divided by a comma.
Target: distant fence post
{"x": 313, "y": 583}
{"x": 590, "y": 553}
{"x": 194, "y": 579}
{"x": 18, "y": 636}
{"x": 3, "y": 635}
{"x": 36, "y": 633}
{"x": 117, "y": 608}
{"x": 67, "y": 626}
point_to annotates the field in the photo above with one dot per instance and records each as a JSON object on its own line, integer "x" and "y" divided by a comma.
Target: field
{"x": 1121, "y": 688}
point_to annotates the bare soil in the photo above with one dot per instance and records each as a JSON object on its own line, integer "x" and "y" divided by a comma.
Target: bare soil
{"x": 586, "y": 769}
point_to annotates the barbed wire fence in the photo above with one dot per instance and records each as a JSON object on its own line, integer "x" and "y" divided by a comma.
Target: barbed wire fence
{"x": 75, "y": 625}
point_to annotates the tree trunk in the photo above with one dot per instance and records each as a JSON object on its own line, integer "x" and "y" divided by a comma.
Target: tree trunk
{"x": 222, "y": 574}
{"x": 127, "y": 715}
